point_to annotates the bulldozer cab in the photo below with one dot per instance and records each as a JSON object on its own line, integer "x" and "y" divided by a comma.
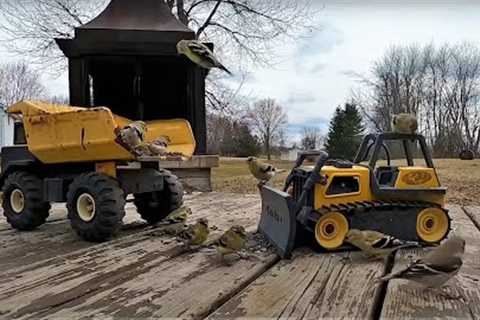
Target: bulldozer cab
{"x": 401, "y": 167}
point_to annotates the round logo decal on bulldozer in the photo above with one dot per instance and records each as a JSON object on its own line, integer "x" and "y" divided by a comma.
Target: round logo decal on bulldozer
{"x": 416, "y": 178}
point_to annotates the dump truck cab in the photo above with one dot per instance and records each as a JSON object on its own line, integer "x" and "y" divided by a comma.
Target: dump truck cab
{"x": 70, "y": 154}
{"x": 401, "y": 197}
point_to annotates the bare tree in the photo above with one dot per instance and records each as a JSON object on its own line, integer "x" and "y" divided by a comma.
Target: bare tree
{"x": 31, "y": 26}
{"x": 268, "y": 120}
{"x": 245, "y": 30}
{"x": 441, "y": 85}
{"x": 18, "y": 82}
{"x": 312, "y": 138}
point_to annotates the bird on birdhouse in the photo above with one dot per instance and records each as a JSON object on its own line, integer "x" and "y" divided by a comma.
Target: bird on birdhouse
{"x": 200, "y": 54}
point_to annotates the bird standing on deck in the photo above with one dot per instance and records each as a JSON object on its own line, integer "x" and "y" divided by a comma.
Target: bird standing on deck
{"x": 179, "y": 216}
{"x": 200, "y": 54}
{"x": 375, "y": 244}
{"x": 404, "y": 123}
{"x": 232, "y": 241}
{"x": 195, "y": 235}
{"x": 436, "y": 268}
{"x": 263, "y": 172}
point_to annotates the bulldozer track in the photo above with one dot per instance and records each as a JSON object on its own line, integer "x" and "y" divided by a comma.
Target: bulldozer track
{"x": 365, "y": 215}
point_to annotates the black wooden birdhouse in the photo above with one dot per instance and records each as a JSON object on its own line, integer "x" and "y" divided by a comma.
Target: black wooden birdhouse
{"x": 126, "y": 59}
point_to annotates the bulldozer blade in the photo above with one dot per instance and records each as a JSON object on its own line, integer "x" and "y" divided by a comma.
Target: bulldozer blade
{"x": 278, "y": 221}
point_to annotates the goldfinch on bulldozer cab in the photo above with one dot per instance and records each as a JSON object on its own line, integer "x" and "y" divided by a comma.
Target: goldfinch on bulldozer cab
{"x": 200, "y": 54}
{"x": 405, "y": 123}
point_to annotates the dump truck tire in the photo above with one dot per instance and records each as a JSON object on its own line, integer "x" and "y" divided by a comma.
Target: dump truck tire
{"x": 23, "y": 204}
{"x": 153, "y": 207}
{"x": 96, "y": 206}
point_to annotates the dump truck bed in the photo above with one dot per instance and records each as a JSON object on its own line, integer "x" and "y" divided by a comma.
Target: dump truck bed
{"x": 63, "y": 134}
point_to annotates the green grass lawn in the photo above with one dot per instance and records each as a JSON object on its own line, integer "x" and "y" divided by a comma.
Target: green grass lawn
{"x": 461, "y": 177}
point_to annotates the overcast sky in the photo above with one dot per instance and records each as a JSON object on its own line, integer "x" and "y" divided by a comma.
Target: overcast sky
{"x": 312, "y": 80}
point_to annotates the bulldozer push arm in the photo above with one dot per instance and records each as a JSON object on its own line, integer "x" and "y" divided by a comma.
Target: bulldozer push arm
{"x": 279, "y": 211}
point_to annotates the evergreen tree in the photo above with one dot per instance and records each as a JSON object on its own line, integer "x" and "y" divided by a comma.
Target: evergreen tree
{"x": 239, "y": 141}
{"x": 344, "y": 135}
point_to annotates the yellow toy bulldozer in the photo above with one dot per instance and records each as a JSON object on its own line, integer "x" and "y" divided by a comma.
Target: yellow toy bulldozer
{"x": 333, "y": 196}
{"x": 69, "y": 154}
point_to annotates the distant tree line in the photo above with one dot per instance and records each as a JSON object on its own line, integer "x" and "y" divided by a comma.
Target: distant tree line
{"x": 257, "y": 129}
{"x": 441, "y": 85}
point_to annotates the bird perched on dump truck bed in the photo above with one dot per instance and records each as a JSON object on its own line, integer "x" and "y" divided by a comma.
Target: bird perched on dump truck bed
{"x": 200, "y": 54}
{"x": 263, "y": 172}
{"x": 404, "y": 123}
{"x": 132, "y": 135}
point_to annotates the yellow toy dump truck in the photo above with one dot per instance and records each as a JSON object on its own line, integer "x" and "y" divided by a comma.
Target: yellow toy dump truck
{"x": 402, "y": 199}
{"x": 71, "y": 155}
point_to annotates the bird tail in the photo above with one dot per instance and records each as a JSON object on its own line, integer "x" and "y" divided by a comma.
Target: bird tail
{"x": 222, "y": 67}
{"x": 387, "y": 277}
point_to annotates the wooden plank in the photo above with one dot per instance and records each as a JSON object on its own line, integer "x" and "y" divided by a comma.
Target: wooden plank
{"x": 51, "y": 239}
{"x": 187, "y": 287}
{"x": 312, "y": 286}
{"x": 42, "y": 286}
{"x": 403, "y": 301}
{"x": 474, "y": 214}
{"x": 56, "y": 238}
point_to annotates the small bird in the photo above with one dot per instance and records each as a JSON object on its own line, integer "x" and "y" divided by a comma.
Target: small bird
{"x": 133, "y": 134}
{"x": 263, "y": 172}
{"x": 232, "y": 241}
{"x": 375, "y": 244}
{"x": 179, "y": 216}
{"x": 436, "y": 268}
{"x": 195, "y": 235}
{"x": 200, "y": 54}
{"x": 404, "y": 123}
{"x": 159, "y": 146}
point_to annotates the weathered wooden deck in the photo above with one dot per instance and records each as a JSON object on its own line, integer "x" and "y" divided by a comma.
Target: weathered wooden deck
{"x": 50, "y": 273}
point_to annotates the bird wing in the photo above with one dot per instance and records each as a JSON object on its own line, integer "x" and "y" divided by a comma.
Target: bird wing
{"x": 202, "y": 51}
{"x": 187, "y": 234}
{"x": 419, "y": 268}
{"x": 267, "y": 169}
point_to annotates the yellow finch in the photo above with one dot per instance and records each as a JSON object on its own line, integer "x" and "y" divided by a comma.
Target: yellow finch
{"x": 404, "y": 123}
{"x": 158, "y": 147}
{"x": 263, "y": 172}
{"x": 196, "y": 234}
{"x": 200, "y": 54}
{"x": 179, "y": 216}
{"x": 232, "y": 241}
{"x": 133, "y": 134}
{"x": 436, "y": 268}
{"x": 376, "y": 244}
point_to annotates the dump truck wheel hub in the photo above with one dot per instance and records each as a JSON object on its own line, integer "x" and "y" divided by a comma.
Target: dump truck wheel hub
{"x": 432, "y": 225}
{"x": 86, "y": 207}
{"x": 17, "y": 201}
{"x": 331, "y": 230}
